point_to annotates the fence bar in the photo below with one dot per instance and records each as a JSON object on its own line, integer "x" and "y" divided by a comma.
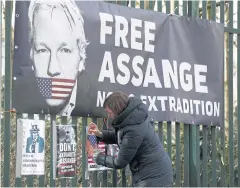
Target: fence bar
{"x": 18, "y": 181}
{"x": 192, "y": 12}
{"x": 159, "y": 5}
{"x": 168, "y": 7}
{"x": 52, "y": 181}
{"x": 230, "y": 96}
{"x": 114, "y": 178}
{"x": 214, "y": 157}
{"x": 84, "y": 156}
{"x": 114, "y": 172}
{"x": 192, "y": 155}
{"x": 198, "y": 156}
{"x": 63, "y": 122}
{"x": 95, "y": 173}
{"x": 205, "y": 156}
{"x": 222, "y": 180}
{"x": 1, "y": 86}
{"x": 141, "y": 4}
{"x": 124, "y": 3}
{"x": 204, "y": 9}
{"x": 133, "y": 4}
{"x": 160, "y": 132}
{"x": 178, "y": 156}
{"x": 169, "y": 139}
{"x": 74, "y": 180}
{"x": 30, "y": 177}
{"x": 105, "y": 178}
{"x": 151, "y": 4}
{"x": 238, "y": 82}
{"x": 176, "y": 7}
{"x": 184, "y": 8}
{"x": 41, "y": 178}
{"x": 124, "y": 179}
{"x": 186, "y": 155}
{"x": 7, "y": 93}
{"x": 213, "y": 10}
{"x": 213, "y": 128}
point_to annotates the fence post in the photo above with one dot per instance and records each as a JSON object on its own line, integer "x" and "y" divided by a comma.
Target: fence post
{"x": 7, "y": 93}
{"x": 193, "y": 12}
{"x": 1, "y": 84}
{"x": 84, "y": 153}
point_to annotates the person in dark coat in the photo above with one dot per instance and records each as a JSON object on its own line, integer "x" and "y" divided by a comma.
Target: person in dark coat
{"x": 139, "y": 145}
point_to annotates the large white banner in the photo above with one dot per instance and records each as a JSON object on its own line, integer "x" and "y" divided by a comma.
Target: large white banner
{"x": 33, "y": 146}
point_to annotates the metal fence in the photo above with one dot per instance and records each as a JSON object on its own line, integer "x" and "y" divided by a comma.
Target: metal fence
{"x": 202, "y": 155}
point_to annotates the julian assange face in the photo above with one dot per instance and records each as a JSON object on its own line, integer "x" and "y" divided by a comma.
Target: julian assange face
{"x": 55, "y": 55}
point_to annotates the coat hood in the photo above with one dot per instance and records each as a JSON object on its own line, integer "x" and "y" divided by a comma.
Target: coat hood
{"x": 135, "y": 113}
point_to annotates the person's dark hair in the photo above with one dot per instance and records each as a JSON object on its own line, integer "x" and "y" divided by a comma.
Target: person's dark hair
{"x": 116, "y": 102}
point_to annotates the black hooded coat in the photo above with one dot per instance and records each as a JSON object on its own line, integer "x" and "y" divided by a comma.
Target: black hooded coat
{"x": 139, "y": 146}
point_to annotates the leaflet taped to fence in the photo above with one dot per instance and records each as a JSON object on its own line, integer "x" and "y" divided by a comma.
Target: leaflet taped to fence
{"x": 66, "y": 151}
{"x": 93, "y": 148}
{"x": 33, "y": 146}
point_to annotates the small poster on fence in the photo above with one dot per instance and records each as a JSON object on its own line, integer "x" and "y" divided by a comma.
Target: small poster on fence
{"x": 33, "y": 146}
{"x": 93, "y": 148}
{"x": 66, "y": 151}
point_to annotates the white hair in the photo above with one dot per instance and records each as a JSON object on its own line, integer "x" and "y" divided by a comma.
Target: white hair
{"x": 73, "y": 15}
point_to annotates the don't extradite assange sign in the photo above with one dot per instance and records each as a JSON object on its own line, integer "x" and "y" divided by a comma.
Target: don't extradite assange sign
{"x": 70, "y": 55}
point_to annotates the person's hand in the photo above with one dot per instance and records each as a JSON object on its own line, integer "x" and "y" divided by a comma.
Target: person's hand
{"x": 101, "y": 159}
{"x": 93, "y": 129}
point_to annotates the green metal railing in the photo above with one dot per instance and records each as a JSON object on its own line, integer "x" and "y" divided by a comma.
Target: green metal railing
{"x": 202, "y": 155}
